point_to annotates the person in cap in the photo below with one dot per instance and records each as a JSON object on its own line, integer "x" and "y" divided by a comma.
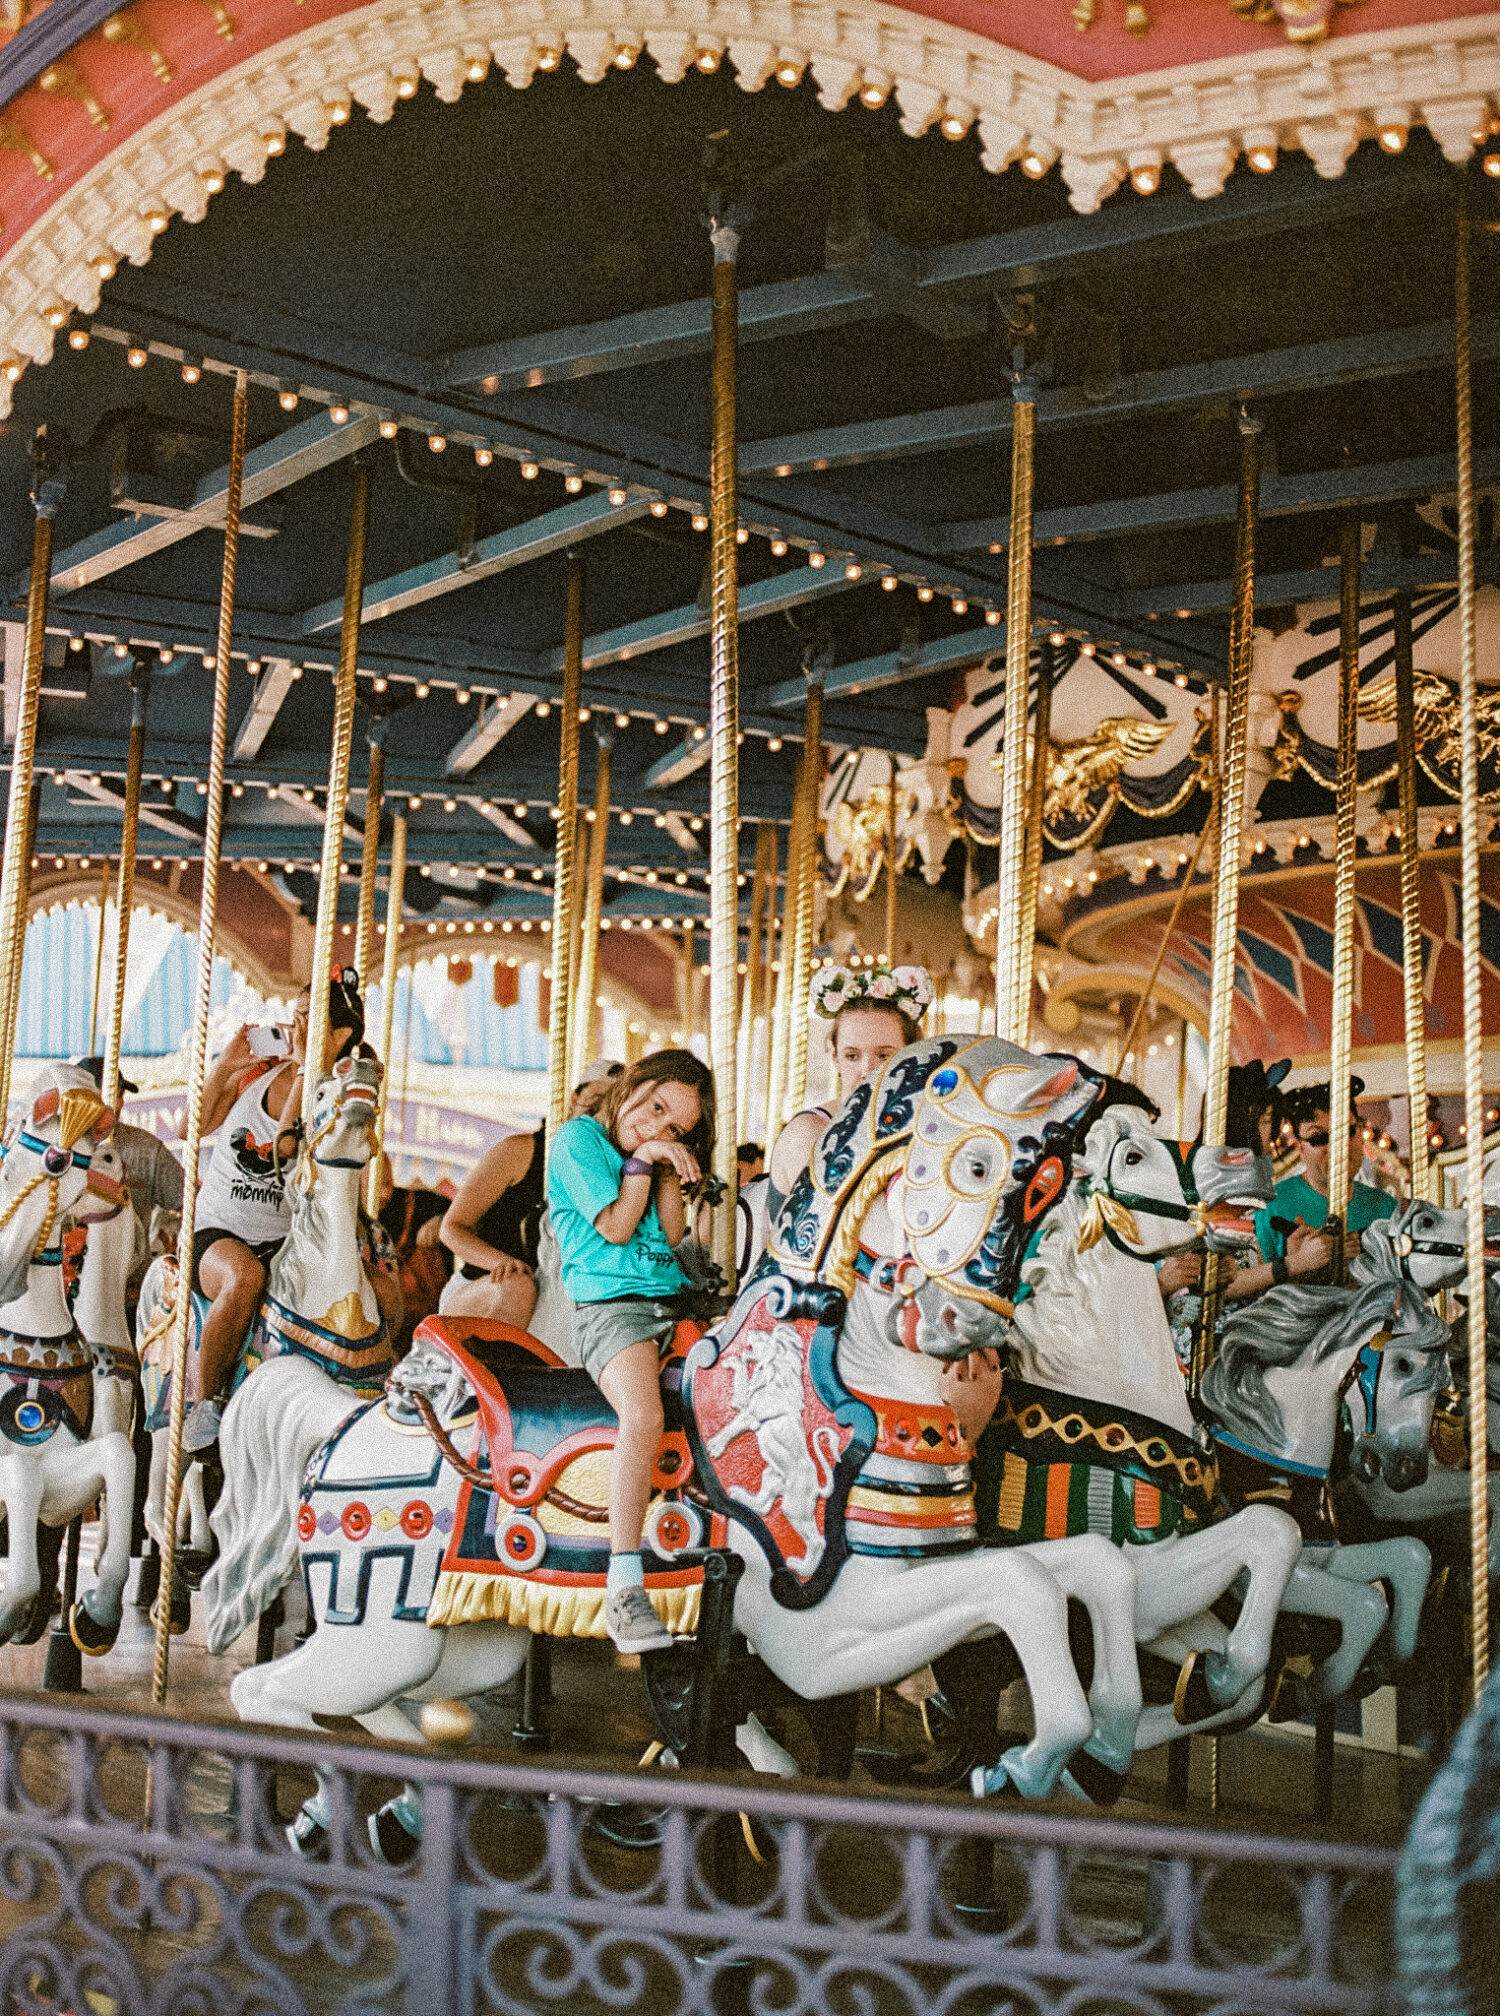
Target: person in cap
{"x": 254, "y": 1103}
{"x": 595, "y": 1081}
{"x": 1302, "y": 1199}
{"x": 153, "y": 1173}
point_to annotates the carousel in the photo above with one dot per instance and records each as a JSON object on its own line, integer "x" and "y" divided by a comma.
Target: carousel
{"x": 917, "y": 606}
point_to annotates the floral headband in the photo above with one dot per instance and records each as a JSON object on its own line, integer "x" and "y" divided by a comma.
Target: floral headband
{"x": 908, "y": 989}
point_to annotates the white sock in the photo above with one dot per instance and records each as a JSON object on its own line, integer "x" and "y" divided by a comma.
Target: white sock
{"x": 625, "y": 1572}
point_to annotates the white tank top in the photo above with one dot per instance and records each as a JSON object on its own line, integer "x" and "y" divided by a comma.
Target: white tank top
{"x": 243, "y": 1192}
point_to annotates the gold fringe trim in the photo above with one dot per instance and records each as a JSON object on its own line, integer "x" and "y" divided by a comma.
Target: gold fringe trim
{"x": 552, "y": 1610}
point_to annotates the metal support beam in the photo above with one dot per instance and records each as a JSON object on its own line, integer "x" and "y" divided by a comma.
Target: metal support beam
{"x": 300, "y": 451}
{"x": 493, "y": 725}
{"x": 689, "y": 755}
{"x": 271, "y": 689}
{"x": 770, "y": 597}
{"x": 1315, "y": 584}
{"x": 502, "y": 822}
{"x": 533, "y": 540}
{"x": 313, "y": 813}
{"x": 894, "y": 668}
{"x": 163, "y": 818}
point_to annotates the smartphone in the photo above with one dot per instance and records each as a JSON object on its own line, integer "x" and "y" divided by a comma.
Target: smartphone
{"x": 270, "y": 1041}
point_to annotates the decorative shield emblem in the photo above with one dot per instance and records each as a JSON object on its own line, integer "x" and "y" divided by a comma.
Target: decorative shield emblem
{"x": 777, "y": 1440}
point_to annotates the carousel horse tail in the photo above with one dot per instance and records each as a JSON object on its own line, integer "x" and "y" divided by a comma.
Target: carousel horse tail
{"x": 270, "y": 1430}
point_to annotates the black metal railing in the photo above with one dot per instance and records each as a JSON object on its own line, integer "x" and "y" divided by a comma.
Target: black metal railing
{"x": 575, "y": 1891}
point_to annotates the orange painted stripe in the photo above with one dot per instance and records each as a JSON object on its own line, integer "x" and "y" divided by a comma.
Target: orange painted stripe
{"x": 1147, "y": 1506}
{"x": 1058, "y": 1477}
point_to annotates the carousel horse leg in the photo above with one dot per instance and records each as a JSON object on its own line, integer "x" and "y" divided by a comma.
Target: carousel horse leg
{"x": 1102, "y": 1578}
{"x": 1357, "y": 1607}
{"x": 1405, "y": 1564}
{"x": 94, "y": 1620}
{"x": 21, "y": 1491}
{"x": 63, "y": 1673}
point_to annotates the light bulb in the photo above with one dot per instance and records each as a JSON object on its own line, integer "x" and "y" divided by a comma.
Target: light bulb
{"x": 530, "y": 471}
{"x": 700, "y": 521}
{"x": 573, "y": 484}
{"x": 1033, "y": 167}
{"x": 953, "y": 126}
{"x": 388, "y": 430}
{"x": 992, "y": 616}
{"x": 275, "y": 143}
{"x": 548, "y": 57}
{"x": 103, "y": 265}
{"x": 484, "y": 457}
{"x": 338, "y": 412}
{"x": 1262, "y": 159}
{"x": 852, "y": 570}
{"x": 778, "y": 547}
{"x": 1392, "y": 137}
{"x": 1057, "y": 638}
{"x": 873, "y": 95}
{"x": 135, "y": 357}
{"x": 888, "y": 582}
{"x": 960, "y": 606}
{"x": 213, "y": 180}
{"x": 708, "y": 60}
{"x": 924, "y": 593}
{"x": 381, "y": 684}
{"x": 423, "y": 689}
{"x": 658, "y": 507}
{"x": 287, "y": 398}
{"x": 816, "y": 559}
{"x": 626, "y": 56}
{"x": 406, "y": 85}
{"x": 1145, "y": 178}
{"x": 55, "y": 314}
{"x": 789, "y": 73}
{"x": 543, "y": 709}
{"x": 773, "y": 743}
{"x": 78, "y": 339}
{"x": 617, "y": 494}
{"x": 462, "y": 696}
{"x": 622, "y": 720}
{"x": 437, "y": 443}
{"x": 662, "y": 727}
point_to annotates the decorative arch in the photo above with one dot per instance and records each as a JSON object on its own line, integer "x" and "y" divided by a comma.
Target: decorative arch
{"x": 143, "y": 118}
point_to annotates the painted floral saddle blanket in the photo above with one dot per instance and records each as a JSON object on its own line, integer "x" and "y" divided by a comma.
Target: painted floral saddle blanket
{"x": 500, "y": 1506}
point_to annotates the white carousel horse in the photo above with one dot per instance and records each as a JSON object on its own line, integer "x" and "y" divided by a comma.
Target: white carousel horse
{"x": 319, "y": 1301}
{"x": 892, "y": 1578}
{"x": 1289, "y": 1363}
{"x": 1093, "y": 1368}
{"x": 99, "y": 1301}
{"x": 51, "y": 1467}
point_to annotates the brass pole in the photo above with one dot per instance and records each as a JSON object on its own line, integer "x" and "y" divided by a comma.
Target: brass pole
{"x": 750, "y": 998}
{"x": 326, "y": 925}
{"x": 395, "y": 891}
{"x": 575, "y": 945}
{"x": 803, "y": 923}
{"x": 1012, "y": 1016}
{"x": 767, "y": 952}
{"x": 586, "y": 1018}
{"x": 15, "y": 874}
{"x": 724, "y": 723}
{"x": 114, "y": 1035}
{"x": 779, "y": 1008}
{"x": 1341, "y": 1013}
{"x": 99, "y": 953}
{"x": 890, "y": 873}
{"x": 369, "y": 860}
{"x": 564, "y": 882}
{"x": 1469, "y": 811}
{"x": 198, "y": 1050}
{"x": 1411, "y": 896}
{"x": 1031, "y": 881}
{"x": 1229, "y": 809}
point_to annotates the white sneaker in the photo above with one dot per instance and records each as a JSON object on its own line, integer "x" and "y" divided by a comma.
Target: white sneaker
{"x": 633, "y": 1624}
{"x": 201, "y": 1429}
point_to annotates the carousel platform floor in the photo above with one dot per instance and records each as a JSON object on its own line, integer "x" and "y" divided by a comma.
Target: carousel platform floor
{"x": 599, "y": 1715}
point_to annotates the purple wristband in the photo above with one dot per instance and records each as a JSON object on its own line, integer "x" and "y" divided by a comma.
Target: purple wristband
{"x": 634, "y": 1166}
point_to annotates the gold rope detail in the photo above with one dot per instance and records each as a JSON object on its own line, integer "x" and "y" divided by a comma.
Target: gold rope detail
{"x": 723, "y": 733}
{"x": 1411, "y": 897}
{"x": 835, "y": 1261}
{"x": 564, "y": 877}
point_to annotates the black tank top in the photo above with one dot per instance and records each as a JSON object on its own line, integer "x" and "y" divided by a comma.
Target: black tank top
{"x": 512, "y": 1222}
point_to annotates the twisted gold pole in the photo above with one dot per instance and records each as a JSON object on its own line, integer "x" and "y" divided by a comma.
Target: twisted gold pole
{"x": 208, "y": 909}
{"x": 99, "y": 954}
{"x": 1468, "y": 793}
{"x": 890, "y": 872}
{"x": 1346, "y": 805}
{"x": 369, "y": 860}
{"x": 779, "y": 1008}
{"x": 800, "y": 976}
{"x": 750, "y": 996}
{"x": 564, "y": 884}
{"x": 15, "y": 874}
{"x": 586, "y": 1017}
{"x": 393, "y": 905}
{"x": 1012, "y": 1015}
{"x": 1031, "y": 880}
{"x": 17, "y": 959}
{"x": 723, "y": 732}
{"x": 326, "y": 926}
{"x": 1228, "y": 813}
{"x": 1411, "y": 896}
{"x": 140, "y": 691}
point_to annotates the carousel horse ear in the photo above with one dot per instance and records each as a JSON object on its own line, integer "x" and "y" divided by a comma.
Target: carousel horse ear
{"x": 45, "y": 1106}
{"x": 105, "y": 1124}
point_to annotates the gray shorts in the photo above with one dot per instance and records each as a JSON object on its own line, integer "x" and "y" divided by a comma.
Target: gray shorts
{"x": 602, "y": 1330}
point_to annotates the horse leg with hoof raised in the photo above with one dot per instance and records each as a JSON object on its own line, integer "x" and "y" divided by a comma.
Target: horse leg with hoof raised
{"x": 1102, "y": 1578}
{"x": 103, "y": 1466}
{"x": 1354, "y": 1603}
{"x": 1179, "y": 1578}
{"x": 21, "y": 1495}
{"x": 1404, "y": 1564}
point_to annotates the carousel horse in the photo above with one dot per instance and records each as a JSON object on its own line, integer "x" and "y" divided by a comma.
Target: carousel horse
{"x": 52, "y": 1467}
{"x": 107, "y": 1222}
{"x": 1094, "y": 1423}
{"x": 1289, "y": 1366}
{"x": 319, "y": 1303}
{"x": 807, "y": 1432}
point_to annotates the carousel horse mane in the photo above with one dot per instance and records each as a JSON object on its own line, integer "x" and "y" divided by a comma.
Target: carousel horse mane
{"x": 1296, "y": 1323}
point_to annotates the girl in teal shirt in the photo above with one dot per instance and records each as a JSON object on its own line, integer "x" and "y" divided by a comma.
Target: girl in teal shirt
{"x": 615, "y": 1180}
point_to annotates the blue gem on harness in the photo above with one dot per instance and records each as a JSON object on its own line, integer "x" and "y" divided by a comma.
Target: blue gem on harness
{"x": 944, "y": 1082}
{"x": 30, "y": 1417}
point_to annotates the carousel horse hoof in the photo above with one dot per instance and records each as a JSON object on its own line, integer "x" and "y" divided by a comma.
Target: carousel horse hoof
{"x": 393, "y": 1841}
{"x": 1098, "y": 1783}
{"x": 1196, "y": 1695}
{"x": 31, "y": 1625}
{"x": 991, "y": 1781}
{"x": 307, "y": 1837}
{"x": 92, "y": 1638}
{"x": 180, "y": 1613}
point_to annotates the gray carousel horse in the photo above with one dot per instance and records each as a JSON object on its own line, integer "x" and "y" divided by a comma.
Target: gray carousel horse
{"x": 1450, "y": 1866}
{"x": 1292, "y": 1365}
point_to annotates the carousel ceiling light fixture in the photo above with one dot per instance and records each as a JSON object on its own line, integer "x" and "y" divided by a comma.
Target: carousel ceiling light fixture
{"x": 135, "y": 356}
{"x": 122, "y": 650}
{"x": 873, "y": 92}
{"x": 992, "y": 616}
{"x": 700, "y": 521}
{"x": 478, "y": 69}
{"x": 622, "y": 720}
{"x": 773, "y": 743}
{"x": 164, "y": 657}
{"x": 661, "y": 729}
{"x": 252, "y": 665}
{"x": 548, "y": 56}
{"x": 543, "y": 709}
{"x": 1391, "y": 131}
{"x": 573, "y": 483}
{"x": 699, "y": 733}
{"x": 627, "y": 55}
{"x": 1117, "y": 658}
{"x": 789, "y": 72}
{"x": 953, "y": 125}
{"x": 1148, "y": 668}
{"x": 1087, "y": 649}
{"x": 617, "y": 494}
{"x": 660, "y": 820}
{"x": 288, "y": 397}
{"x": 1181, "y": 679}
{"x": 696, "y": 825}
{"x": 778, "y": 547}
{"x": 741, "y": 534}
{"x": 338, "y": 111}
{"x": 658, "y": 507}
{"x": 530, "y": 471}
{"x": 380, "y": 684}
{"x": 960, "y": 606}
{"x": 78, "y": 339}
{"x": 437, "y": 443}
{"x": 1145, "y": 178}
{"x": 583, "y": 713}
{"x": 484, "y": 457}
{"x": 56, "y": 314}
{"x": 213, "y": 179}
{"x": 462, "y": 696}
{"x": 423, "y": 689}
{"x": 295, "y": 671}
{"x": 708, "y": 58}
{"x": 816, "y": 559}
{"x": 924, "y": 593}
{"x": 389, "y": 428}
{"x": 450, "y": 804}
{"x": 236, "y": 790}
{"x": 1492, "y": 165}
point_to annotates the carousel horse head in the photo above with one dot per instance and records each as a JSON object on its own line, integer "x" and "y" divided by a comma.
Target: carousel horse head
{"x": 343, "y": 1129}
{"x": 47, "y": 1165}
{"x": 1147, "y": 1196}
{"x": 1394, "y": 1347}
{"x": 1420, "y": 1243}
{"x": 107, "y": 1193}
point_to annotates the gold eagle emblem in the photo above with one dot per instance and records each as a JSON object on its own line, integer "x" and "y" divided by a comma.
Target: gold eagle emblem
{"x": 1079, "y": 771}
{"x": 1435, "y": 710}
{"x": 861, "y": 832}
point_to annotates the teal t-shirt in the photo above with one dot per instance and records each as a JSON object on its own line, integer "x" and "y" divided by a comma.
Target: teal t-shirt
{"x": 583, "y": 1175}
{"x": 1296, "y": 1198}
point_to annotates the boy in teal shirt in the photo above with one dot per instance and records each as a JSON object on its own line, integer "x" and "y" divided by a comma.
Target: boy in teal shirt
{"x": 1303, "y": 1197}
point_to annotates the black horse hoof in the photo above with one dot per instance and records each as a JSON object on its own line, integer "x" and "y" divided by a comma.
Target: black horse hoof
{"x": 392, "y": 1840}
{"x": 308, "y": 1837}
{"x": 1192, "y": 1699}
{"x": 36, "y": 1619}
{"x": 92, "y": 1638}
{"x": 180, "y": 1615}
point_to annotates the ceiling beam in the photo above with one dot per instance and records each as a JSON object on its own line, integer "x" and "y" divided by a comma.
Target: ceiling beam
{"x": 1379, "y": 575}
{"x": 162, "y": 818}
{"x": 690, "y": 754}
{"x": 1034, "y": 257}
{"x": 316, "y": 814}
{"x": 770, "y": 597}
{"x": 502, "y": 822}
{"x": 894, "y": 668}
{"x": 301, "y": 451}
{"x": 533, "y": 540}
{"x": 494, "y": 724}
{"x": 1267, "y": 374}
{"x": 1280, "y": 497}
{"x": 272, "y": 687}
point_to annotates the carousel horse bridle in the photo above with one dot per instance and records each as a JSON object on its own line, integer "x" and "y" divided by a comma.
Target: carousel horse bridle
{"x": 1111, "y": 1211}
